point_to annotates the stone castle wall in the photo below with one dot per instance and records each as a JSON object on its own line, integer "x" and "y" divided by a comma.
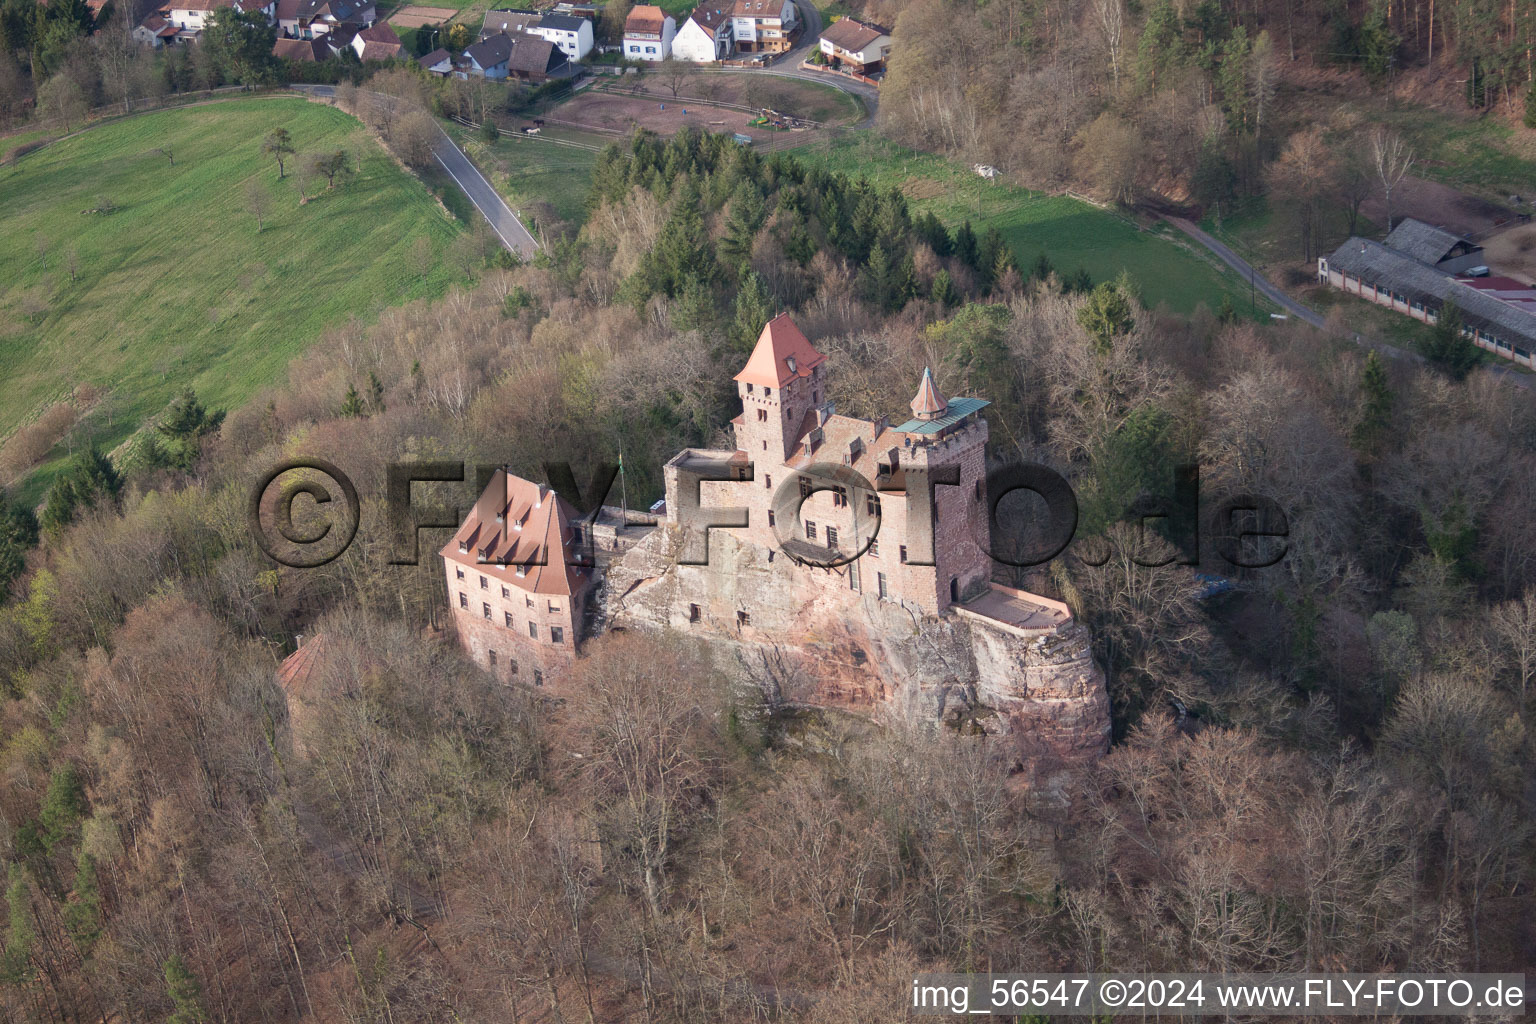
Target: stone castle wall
{"x": 802, "y": 642}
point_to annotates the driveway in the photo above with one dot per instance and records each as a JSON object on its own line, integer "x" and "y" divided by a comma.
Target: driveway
{"x": 503, "y": 222}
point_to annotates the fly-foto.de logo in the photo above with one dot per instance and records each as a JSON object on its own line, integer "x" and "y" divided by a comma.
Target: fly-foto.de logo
{"x": 1248, "y": 531}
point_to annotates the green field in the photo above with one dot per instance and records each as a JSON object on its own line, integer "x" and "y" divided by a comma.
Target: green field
{"x": 1071, "y": 233}
{"x": 526, "y": 171}
{"x": 177, "y": 287}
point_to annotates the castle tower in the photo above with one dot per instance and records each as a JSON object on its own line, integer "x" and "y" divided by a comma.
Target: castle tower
{"x": 779, "y": 387}
{"x": 928, "y": 404}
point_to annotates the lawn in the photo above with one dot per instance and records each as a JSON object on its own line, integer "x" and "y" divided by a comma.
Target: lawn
{"x": 176, "y": 287}
{"x": 1070, "y": 232}
{"x": 810, "y": 100}
{"x": 526, "y": 171}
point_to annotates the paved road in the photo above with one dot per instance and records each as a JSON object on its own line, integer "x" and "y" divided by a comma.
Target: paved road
{"x": 1311, "y": 316}
{"x": 504, "y": 223}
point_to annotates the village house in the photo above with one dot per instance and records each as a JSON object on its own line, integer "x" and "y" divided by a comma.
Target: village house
{"x": 516, "y": 55}
{"x": 571, "y": 34}
{"x": 763, "y": 26}
{"x": 1418, "y": 268}
{"x": 519, "y": 576}
{"x": 438, "y": 62}
{"x": 706, "y": 36}
{"x": 154, "y": 31}
{"x": 306, "y": 19}
{"x": 856, "y": 46}
{"x": 377, "y": 42}
{"x": 648, "y": 33}
{"x": 310, "y": 50}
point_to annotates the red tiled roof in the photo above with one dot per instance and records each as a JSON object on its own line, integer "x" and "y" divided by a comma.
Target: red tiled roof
{"x": 379, "y": 32}
{"x": 852, "y": 36}
{"x": 645, "y": 18}
{"x": 710, "y": 18}
{"x": 535, "y": 526}
{"x": 757, "y": 8}
{"x": 928, "y": 404}
{"x": 780, "y": 342}
{"x": 299, "y": 673}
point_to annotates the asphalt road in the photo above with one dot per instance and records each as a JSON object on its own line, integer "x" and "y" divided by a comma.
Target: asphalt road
{"x": 503, "y": 222}
{"x": 1311, "y": 316}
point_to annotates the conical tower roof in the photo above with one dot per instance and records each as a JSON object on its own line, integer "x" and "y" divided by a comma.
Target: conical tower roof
{"x": 929, "y": 403}
{"x": 782, "y": 354}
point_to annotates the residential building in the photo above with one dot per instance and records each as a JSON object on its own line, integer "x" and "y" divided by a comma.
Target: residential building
{"x": 573, "y": 35}
{"x": 315, "y": 50}
{"x": 648, "y": 33}
{"x": 306, "y": 19}
{"x": 1419, "y": 268}
{"x": 514, "y": 55}
{"x": 154, "y": 31}
{"x": 192, "y": 15}
{"x": 856, "y": 46}
{"x": 377, "y": 42}
{"x": 519, "y": 577}
{"x": 438, "y": 62}
{"x": 706, "y": 35}
{"x": 763, "y": 26}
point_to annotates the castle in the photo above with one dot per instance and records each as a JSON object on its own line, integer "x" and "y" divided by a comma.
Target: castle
{"x": 844, "y": 561}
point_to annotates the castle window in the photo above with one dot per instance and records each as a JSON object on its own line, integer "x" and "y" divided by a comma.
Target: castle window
{"x": 765, "y": 446}
{"x": 485, "y": 610}
{"x": 694, "y": 614}
{"x": 768, "y": 481}
{"x": 872, "y": 504}
{"x": 979, "y": 493}
{"x": 770, "y": 517}
{"x": 505, "y": 593}
{"x": 767, "y": 392}
{"x": 463, "y": 600}
{"x": 512, "y": 666}
{"x": 483, "y": 584}
{"x": 538, "y": 677}
{"x": 762, "y": 415}
{"x": 743, "y": 619}
{"x": 491, "y": 657}
{"x": 874, "y": 547}
{"x": 528, "y": 601}
{"x": 508, "y": 617}
{"x": 831, "y": 536}
{"x": 880, "y": 585}
{"x": 749, "y": 387}
{"x": 805, "y": 487}
{"x": 554, "y": 606}
{"x": 810, "y": 530}
{"x": 556, "y": 635}
{"x": 901, "y": 555}
{"x": 533, "y": 630}
{"x": 839, "y": 497}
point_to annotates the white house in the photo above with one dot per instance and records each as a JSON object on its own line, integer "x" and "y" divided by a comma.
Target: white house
{"x": 306, "y": 19}
{"x": 377, "y": 42}
{"x": 154, "y": 31}
{"x": 571, "y": 34}
{"x": 706, "y": 35}
{"x": 193, "y": 15}
{"x": 648, "y": 33}
{"x": 763, "y": 26}
{"x": 856, "y": 45}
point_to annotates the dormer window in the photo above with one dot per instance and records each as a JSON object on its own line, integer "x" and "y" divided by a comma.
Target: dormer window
{"x": 463, "y": 547}
{"x": 522, "y": 571}
{"x": 789, "y": 361}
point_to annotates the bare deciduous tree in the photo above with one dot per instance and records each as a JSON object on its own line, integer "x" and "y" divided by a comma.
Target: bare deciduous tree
{"x": 1391, "y": 157}
{"x": 257, "y": 201}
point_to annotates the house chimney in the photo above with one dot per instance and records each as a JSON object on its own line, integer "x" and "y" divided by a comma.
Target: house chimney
{"x": 298, "y": 640}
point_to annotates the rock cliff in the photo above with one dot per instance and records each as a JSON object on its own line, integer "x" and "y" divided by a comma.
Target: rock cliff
{"x": 803, "y": 640}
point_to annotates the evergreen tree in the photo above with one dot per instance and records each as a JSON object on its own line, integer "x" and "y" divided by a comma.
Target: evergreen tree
{"x": 182, "y": 429}
{"x": 20, "y": 936}
{"x": 239, "y": 43}
{"x": 82, "y": 914}
{"x": 682, "y": 249}
{"x": 992, "y": 248}
{"x": 1530, "y": 106}
{"x": 1447, "y": 347}
{"x": 375, "y": 392}
{"x": 186, "y": 994}
{"x": 89, "y": 478}
{"x": 1041, "y": 269}
{"x": 754, "y": 307}
{"x": 694, "y": 308}
{"x": 965, "y": 245}
{"x": 747, "y": 215}
{"x": 1106, "y": 315}
{"x": 930, "y": 230}
{"x": 18, "y": 534}
{"x": 945, "y": 294}
{"x": 62, "y": 809}
{"x": 352, "y": 404}
{"x": 1078, "y": 281}
{"x": 1375, "y": 404}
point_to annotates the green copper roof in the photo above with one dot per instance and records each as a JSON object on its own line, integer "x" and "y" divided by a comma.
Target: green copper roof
{"x": 959, "y": 409}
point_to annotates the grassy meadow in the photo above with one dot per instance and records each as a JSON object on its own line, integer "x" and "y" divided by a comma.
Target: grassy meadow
{"x": 176, "y": 287}
{"x": 1070, "y": 232}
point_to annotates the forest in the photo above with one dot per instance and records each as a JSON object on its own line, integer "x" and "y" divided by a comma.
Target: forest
{"x": 1328, "y": 767}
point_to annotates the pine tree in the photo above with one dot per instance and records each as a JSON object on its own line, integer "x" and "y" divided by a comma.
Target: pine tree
{"x": 89, "y": 478}
{"x": 1375, "y": 404}
{"x": 754, "y": 307}
{"x": 694, "y": 308}
{"x": 1447, "y": 346}
{"x": 682, "y": 249}
{"x": 62, "y": 809}
{"x": 186, "y": 994}
{"x": 352, "y": 404}
{"x": 1041, "y": 270}
{"x": 1106, "y": 316}
{"x": 18, "y": 533}
{"x": 82, "y": 914}
{"x": 945, "y": 294}
{"x": 965, "y": 245}
{"x": 19, "y": 936}
{"x": 375, "y": 392}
